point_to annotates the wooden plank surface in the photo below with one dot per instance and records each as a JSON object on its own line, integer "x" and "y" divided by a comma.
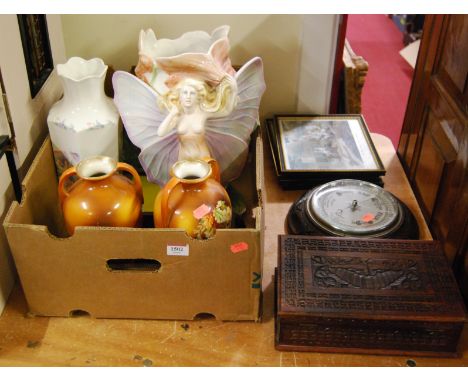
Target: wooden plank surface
{"x": 84, "y": 341}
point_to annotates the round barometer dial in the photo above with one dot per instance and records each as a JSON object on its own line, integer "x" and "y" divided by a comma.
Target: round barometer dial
{"x": 350, "y": 207}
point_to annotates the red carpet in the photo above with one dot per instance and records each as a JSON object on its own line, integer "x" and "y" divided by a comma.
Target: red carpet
{"x": 388, "y": 82}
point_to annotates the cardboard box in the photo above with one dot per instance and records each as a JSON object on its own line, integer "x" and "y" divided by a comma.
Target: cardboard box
{"x": 127, "y": 272}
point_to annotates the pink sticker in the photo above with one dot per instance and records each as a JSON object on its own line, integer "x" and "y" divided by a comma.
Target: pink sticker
{"x": 239, "y": 247}
{"x": 201, "y": 211}
{"x": 367, "y": 218}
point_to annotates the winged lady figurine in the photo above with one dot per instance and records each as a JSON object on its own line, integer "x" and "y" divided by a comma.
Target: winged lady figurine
{"x": 203, "y": 108}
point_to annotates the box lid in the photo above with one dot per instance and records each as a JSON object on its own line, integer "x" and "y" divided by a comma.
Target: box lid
{"x": 366, "y": 278}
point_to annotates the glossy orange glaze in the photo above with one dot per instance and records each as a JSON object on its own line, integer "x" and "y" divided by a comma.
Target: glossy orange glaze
{"x": 109, "y": 201}
{"x": 198, "y": 206}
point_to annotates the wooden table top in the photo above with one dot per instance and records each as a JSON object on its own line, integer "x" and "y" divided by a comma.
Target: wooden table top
{"x": 84, "y": 341}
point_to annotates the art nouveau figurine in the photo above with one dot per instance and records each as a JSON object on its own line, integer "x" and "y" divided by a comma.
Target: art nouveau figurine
{"x": 207, "y": 109}
{"x": 190, "y": 104}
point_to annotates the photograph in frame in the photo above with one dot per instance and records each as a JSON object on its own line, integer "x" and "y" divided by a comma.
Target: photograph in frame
{"x": 325, "y": 144}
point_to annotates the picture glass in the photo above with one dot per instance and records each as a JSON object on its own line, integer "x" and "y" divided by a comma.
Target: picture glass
{"x": 325, "y": 144}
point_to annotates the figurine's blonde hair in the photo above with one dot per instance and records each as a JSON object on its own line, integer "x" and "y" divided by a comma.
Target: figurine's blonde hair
{"x": 210, "y": 99}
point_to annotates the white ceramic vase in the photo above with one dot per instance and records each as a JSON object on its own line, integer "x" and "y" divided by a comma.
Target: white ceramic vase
{"x": 85, "y": 121}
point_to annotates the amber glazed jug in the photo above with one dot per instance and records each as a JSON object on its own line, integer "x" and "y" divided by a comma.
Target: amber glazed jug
{"x": 100, "y": 196}
{"x": 194, "y": 200}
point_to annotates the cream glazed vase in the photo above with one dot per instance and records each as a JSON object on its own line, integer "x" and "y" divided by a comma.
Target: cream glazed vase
{"x": 84, "y": 123}
{"x": 194, "y": 53}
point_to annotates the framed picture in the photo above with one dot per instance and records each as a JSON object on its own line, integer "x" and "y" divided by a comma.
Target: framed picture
{"x": 36, "y": 49}
{"x": 326, "y": 144}
{"x": 312, "y": 149}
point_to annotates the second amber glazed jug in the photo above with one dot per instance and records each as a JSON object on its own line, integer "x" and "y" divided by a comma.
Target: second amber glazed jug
{"x": 194, "y": 200}
{"x": 101, "y": 196}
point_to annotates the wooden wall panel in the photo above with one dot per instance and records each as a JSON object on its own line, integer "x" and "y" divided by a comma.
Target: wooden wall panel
{"x": 429, "y": 170}
{"x": 436, "y": 161}
{"x": 450, "y": 215}
{"x": 454, "y": 55}
{"x": 415, "y": 110}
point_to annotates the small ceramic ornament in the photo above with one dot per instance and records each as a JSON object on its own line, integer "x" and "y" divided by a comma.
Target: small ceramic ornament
{"x": 84, "y": 122}
{"x": 194, "y": 200}
{"x": 190, "y": 105}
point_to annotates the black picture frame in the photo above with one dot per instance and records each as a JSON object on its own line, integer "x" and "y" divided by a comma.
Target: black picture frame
{"x": 314, "y": 156}
{"x": 37, "y": 51}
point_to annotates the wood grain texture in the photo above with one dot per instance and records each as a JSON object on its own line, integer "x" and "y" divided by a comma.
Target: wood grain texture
{"x": 373, "y": 296}
{"x": 84, "y": 341}
{"x": 434, "y": 141}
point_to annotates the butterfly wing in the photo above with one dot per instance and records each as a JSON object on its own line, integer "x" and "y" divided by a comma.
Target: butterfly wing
{"x": 158, "y": 158}
{"x": 141, "y": 116}
{"x": 228, "y": 137}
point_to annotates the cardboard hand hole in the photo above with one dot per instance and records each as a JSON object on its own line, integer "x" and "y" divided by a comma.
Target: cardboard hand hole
{"x": 204, "y": 316}
{"x": 78, "y": 313}
{"x": 145, "y": 265}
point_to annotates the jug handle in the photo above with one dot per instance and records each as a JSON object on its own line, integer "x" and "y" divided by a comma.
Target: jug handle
{"x": 166, "y": 191}
{"x": 136, "y": 178}
{"x": 63, "y": 194}
{"x": 215, "y": 171}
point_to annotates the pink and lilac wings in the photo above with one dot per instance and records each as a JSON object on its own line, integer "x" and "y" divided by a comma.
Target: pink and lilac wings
{"x": 228, "y": 137}
{"x": 141, "y": 116}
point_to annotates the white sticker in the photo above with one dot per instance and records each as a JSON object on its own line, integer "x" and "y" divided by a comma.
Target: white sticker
{"x": 178, "y": 250}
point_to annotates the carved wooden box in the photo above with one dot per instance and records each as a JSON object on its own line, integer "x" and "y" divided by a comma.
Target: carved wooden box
{"x": 375, "y": 296}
